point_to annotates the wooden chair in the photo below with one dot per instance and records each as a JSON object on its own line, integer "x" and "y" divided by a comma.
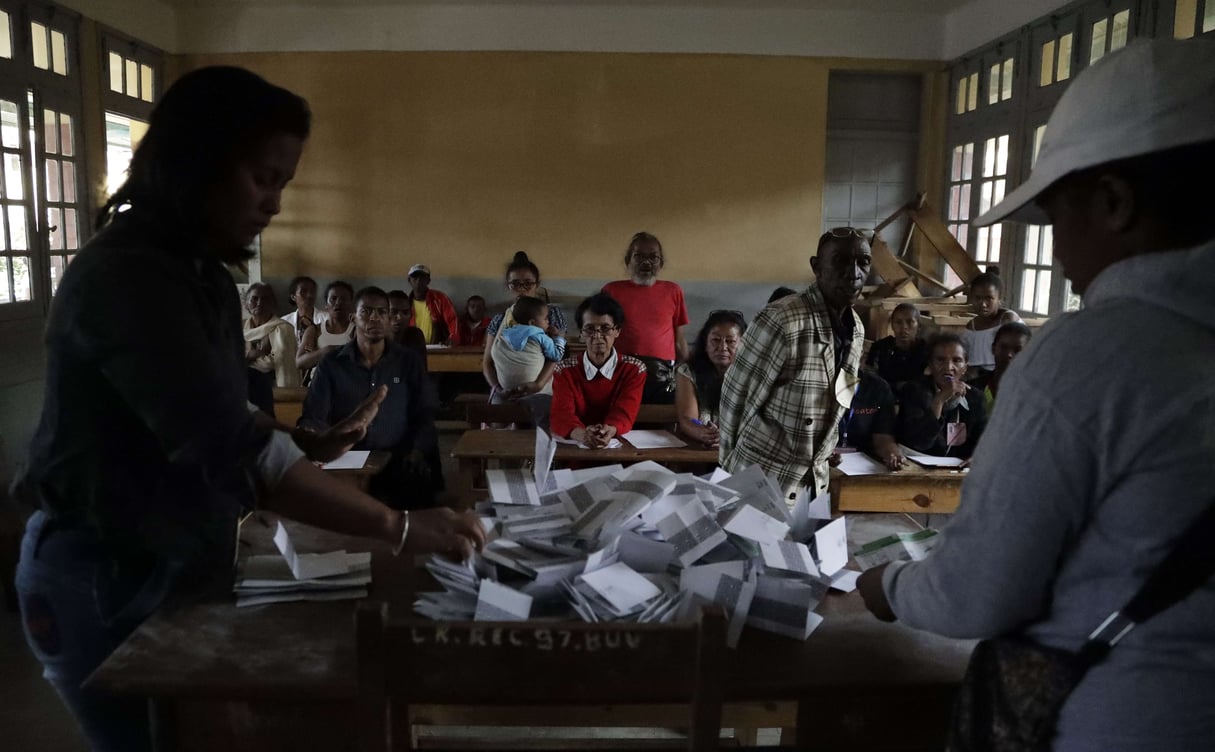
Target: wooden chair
{"x": 289, "y": 404}
{"x": 486, "y": 664}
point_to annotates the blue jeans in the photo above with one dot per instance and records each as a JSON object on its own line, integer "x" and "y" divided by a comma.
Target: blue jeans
{"x": 78, "y": 604}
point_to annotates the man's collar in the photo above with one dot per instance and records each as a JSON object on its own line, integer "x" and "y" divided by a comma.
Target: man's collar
{"x": 608, "y": 370}
{"x": 350, "y": 351}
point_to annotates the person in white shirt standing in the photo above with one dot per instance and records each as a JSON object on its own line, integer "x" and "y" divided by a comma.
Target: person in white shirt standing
{"x": 1101, "y": 454}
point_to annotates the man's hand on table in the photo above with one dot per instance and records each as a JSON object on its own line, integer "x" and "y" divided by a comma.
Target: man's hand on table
{"x": 328, "y": 445}
{"x": 444, "y": 531}
{"x": 869, "y": 584}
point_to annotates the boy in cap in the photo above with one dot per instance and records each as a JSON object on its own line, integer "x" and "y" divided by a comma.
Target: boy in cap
{"x": 1101, "y": 457}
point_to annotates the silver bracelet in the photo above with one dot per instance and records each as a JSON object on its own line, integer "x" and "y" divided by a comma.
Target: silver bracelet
{"x": 404, "y": 534}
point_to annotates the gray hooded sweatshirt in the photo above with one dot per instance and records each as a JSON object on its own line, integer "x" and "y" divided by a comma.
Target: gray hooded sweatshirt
{"x": 1101, "y": 455}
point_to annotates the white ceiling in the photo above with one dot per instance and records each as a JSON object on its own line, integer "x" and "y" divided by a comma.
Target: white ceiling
{"x": 895, "y": 6}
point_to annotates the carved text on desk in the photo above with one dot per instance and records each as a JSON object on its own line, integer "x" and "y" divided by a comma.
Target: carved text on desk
{"x": 590, "y": 641}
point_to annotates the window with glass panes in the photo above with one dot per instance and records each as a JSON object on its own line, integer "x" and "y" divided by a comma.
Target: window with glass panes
{"x": 1000, "y": 81}
{"x": 992, "y": 185}
{"x": 1191, "y": 17}
{"x": 132, "y": 76}
{"x": 17, "y": 267}
{"x": 64, "y": 202}
{"x": 1108, "y": 34}
{"x": 1007, "y": 133}
{"x": 1037, "y": 263}
{"x": 42, "y": 202}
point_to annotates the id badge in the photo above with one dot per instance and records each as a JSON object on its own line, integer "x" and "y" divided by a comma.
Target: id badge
{"x": 955, "y": 434}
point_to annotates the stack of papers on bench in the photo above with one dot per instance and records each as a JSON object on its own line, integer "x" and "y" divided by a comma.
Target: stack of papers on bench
{"x": 645, "y": 544}
{"x": 301, "y": 577}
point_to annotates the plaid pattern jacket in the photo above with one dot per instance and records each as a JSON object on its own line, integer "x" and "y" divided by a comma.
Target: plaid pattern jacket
{"x": 782, "y": 399}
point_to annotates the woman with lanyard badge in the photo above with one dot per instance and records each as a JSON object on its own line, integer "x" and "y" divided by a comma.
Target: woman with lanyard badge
{"x": 940, "y": 414}
{"x": 147, "y": 452}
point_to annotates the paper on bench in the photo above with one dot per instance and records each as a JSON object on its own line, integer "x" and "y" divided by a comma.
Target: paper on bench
{"x": 858, "y": 463}
{"x": 729, "y": 584}
{"x": 312, "y": 566}
{"x": 901, "y": 547}
{"x": 789, "y": 556}
{"x": 845, "y": 580}
{"x": 643, "y": 439}
{"x": 620, "y": 586}
{"x": 928, "y": 460}
{"x": 512, "y": 486}
{"x": 752, "y": 524}
{"x": 352, "y": 460}
{"x": 687, "y": 525}
{"x": 612, "y": 444}
{"x": 831, "y": 543}
{"x": 546, "y": 448}
{"x": 497, "y": 602}
{"x": 786, "y": 606}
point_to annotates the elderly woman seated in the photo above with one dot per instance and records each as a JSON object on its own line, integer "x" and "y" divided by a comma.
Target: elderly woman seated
{"x": 270, "y": 344}
{"x": 596, "y": 395}
{"x": 698, "y": 382}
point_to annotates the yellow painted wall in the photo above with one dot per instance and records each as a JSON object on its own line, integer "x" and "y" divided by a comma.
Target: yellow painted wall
{"x": 459, "y": 159}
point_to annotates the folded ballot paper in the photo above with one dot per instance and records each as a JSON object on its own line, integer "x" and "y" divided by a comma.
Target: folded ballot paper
{"x": 291, "y": 576}
{"x": 644, "y": 544}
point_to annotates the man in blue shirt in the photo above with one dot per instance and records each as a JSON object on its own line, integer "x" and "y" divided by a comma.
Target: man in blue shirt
{"x": 405, "y": 423}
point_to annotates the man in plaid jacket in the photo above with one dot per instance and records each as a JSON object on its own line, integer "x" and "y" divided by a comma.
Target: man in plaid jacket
{"x": 796, "y": 372}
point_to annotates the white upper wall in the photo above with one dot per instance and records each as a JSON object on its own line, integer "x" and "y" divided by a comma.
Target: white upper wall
{"x": 150, "y": 21}
{"x": 981, "y": 21}
{"x": 827, "y": 32}
{"x": 912, "y": 29}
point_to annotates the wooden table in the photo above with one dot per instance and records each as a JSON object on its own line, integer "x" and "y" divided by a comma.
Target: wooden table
{"x": 361, "y": 478}
{"x": 467, "y": 358}
{"x": 459, "y": 359}
{"x": 475, "y": 448}
{"x": 913, "y": 490}
{"x": 283, "y": 676}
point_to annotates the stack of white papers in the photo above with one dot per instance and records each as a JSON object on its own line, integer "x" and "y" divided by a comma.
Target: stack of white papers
{"x": 641, "y": 439}
{"x": 352, "y": 460}
{"x": 301, "y": 577}
{"x": 643, "y": 544}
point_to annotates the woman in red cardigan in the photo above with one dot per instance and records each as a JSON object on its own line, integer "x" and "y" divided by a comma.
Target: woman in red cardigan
{"x": 596, "y": 394}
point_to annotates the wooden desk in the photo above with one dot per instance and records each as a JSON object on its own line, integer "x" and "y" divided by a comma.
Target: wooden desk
{"x": 474, "y": 448}
{"x": 460, "y": 359}
{"x": 283, "y": 676}
{"x": 467, "y": 358}
{"x": 913, "y": 490}
{"x": 289, "y": 404}
{"x": 361, "y": 478}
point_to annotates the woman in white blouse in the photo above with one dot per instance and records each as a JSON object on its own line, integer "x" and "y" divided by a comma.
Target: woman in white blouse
{"x": 269, "y": 341}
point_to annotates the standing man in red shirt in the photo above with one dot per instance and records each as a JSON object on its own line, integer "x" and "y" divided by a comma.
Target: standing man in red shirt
{"x": 657, "y": 315}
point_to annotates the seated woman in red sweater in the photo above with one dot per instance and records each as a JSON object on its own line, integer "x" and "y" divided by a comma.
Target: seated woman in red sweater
{"x": 596, "y": 394}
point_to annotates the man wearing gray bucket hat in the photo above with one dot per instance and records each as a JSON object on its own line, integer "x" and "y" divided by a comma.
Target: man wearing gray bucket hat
{"x": 1103, "y": 454}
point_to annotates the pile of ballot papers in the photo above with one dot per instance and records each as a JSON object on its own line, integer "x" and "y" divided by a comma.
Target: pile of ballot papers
{"x": 288, "y": 576}
{"x": 646, "y": 544}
